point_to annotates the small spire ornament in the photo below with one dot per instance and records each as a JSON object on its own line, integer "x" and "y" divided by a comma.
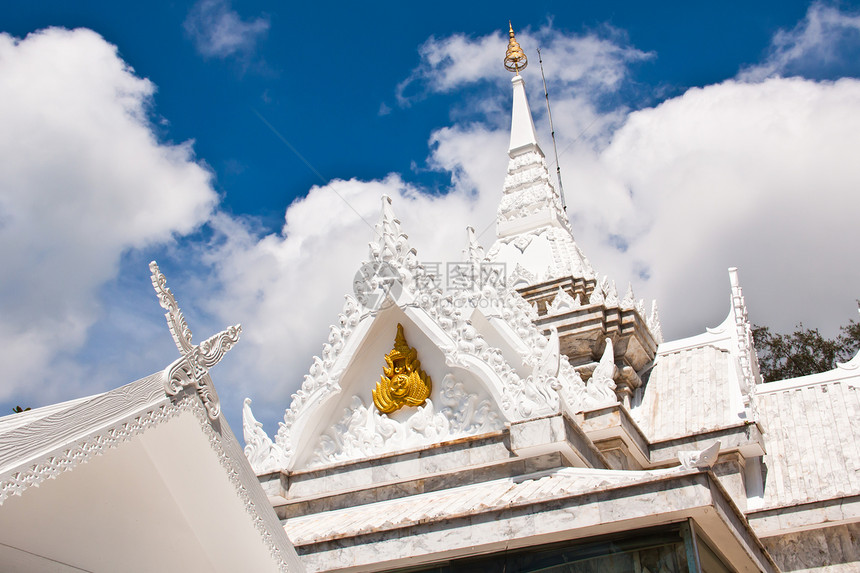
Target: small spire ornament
{"x": 515, "y": 58}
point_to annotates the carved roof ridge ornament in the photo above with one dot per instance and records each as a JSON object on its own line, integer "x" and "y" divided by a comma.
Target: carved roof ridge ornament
{"x": 192, "y": 368}
{"x": 474, "y": 252}
{"x": 391, "y": 260}
{"x": 601, "y": 385}
{"x": 563, "y": 302}
{"x": 402, "y": 383}
{"x": 263, "y": 455}
{"x": 747, "y": 357}
{"x": 654, "y": 323}
{"x": 390, "y": 245}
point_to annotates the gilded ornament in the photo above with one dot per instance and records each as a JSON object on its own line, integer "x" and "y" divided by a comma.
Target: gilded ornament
{"x": 515, "y": 57}
{"x": 402, "y": 383}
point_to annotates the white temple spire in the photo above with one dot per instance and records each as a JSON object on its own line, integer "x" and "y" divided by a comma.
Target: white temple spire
{"x": 523, "y": 136}
{"x": 533, "y": 230}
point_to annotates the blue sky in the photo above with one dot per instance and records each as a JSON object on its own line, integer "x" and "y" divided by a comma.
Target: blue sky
{"x": 320, "y": 72}
{"x": 692, "y": 137}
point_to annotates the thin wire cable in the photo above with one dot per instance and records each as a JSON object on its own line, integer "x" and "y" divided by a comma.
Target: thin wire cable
{"x": 45, "y": 558}
{"x": 578, "y": 137}
{"x": 552, "y": 133}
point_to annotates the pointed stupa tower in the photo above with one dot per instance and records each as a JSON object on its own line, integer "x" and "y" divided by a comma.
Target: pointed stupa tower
{"x": 547, "y": 267}
{"x": 535, "y": 240}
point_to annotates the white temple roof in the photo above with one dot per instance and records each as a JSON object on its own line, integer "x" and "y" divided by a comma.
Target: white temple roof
{"x": 132, "y": 480}
{"x": 812, "y": 436}
{"x": 703, "y": 382}
{"x": 145, "y": 477}
{"x": 689, "y": 391}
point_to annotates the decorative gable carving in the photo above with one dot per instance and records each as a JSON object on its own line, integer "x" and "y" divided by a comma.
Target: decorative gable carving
{"x": 494, "y": 388}
{"x": 364, "y": 432}
{"x": 562, "y": 302}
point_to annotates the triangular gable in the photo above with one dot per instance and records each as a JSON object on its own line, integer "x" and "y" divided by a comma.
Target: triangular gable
{"x": 488, "y": 362}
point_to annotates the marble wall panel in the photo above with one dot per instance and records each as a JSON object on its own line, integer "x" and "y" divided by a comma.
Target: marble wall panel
{"x": 831, "y": 549}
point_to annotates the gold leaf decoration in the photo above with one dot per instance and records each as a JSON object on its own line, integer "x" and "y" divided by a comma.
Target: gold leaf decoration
{"x": 402, "y": 383}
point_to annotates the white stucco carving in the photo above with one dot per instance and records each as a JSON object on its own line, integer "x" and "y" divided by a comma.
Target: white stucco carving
{"x": 597, "y": 296}
{"x": 562, "y": 302}
{"x": 601, "y": 386}
{"x": 529, "y": 191}
{"x": 263, "y": 455}
{"x": 543, "y": 253}
{"x": 746, "y": 349}
{"x": 629, "y": 300}
{"x": 566, "y": 383}
{"x": 519, "y": 399}
{"x": 539, "y": 393}
{"x": 549, "y": 363}
{"x": 522, "y": 276}
{"x": 363, "y": 431}
{"x": 611, "y": 293}
{"x": 654, "y": 323}
{"x": 228, "y": 463}
{"x": 390, "y": 245}
{"x": 474, "y": 252}
{"x": 746, "y": 355}
{"x": 192, "y": 369}
{"x": 320, "y": 380}
{"x": 391, "y": 259}
{"x": 533, "y": 228}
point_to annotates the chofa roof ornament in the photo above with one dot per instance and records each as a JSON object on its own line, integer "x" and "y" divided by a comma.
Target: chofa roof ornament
{"x": 192, "y": 368}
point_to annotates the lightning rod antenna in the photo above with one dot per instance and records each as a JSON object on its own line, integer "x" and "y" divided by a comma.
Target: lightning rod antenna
{"x": 552, "y": 131}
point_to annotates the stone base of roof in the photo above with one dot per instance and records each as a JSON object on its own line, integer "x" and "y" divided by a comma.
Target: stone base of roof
{"x": 834, "y": 549}
{"x": 437, "y": 527}
{"x": 805, "y": 516}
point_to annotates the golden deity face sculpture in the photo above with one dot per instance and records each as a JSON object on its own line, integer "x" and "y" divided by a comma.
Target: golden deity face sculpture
{"x": 402, "y": 383}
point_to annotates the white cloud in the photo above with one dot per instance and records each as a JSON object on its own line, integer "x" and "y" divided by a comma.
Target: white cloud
{"x": 822, "y": 46}
{"x": 762, "y": 176}
{"x": 598, "y": 62}
{"x": 84, "y": 179}
{"x": 219, "y": 31}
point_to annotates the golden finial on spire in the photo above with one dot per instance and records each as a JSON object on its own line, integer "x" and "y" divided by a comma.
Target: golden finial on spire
{"x": 515, "y": 58}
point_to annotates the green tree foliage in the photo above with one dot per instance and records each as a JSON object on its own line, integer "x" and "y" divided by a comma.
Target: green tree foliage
{"x": 804, "y": 351}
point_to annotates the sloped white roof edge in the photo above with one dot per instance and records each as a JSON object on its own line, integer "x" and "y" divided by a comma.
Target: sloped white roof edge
{"x": 719, "y": 336}
{"x": 848, "y": 371}
{"x": 57, "y": 438}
